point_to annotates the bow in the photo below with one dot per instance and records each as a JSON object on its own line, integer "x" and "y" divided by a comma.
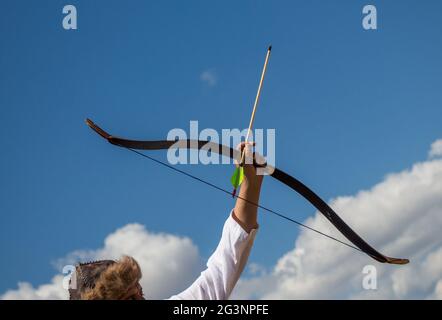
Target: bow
{"x": 290, "y": 181}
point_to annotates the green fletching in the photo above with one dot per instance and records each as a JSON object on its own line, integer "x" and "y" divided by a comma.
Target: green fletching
{"x": 237, "y": 177}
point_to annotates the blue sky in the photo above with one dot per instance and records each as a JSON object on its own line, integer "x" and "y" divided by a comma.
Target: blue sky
{"x": 349, "y": 106}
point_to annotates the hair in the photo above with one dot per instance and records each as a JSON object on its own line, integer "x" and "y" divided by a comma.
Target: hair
{"x": 108, "y": 280}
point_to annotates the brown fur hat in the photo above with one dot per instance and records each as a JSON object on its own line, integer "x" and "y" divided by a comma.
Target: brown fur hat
{"x": 106, "y": 279}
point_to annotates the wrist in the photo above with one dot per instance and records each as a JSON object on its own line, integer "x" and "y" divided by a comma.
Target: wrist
{"x": 250, "y": 190}
{"x": 256, "y": 182}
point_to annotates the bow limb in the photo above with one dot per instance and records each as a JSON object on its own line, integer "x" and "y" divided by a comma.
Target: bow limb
{"x": 276, "y": 173}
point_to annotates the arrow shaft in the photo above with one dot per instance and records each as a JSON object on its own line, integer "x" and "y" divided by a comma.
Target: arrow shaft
{"x": 255, "y": 105}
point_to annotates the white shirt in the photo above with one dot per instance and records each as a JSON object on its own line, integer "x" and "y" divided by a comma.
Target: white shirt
{"x": 225, "y": 265}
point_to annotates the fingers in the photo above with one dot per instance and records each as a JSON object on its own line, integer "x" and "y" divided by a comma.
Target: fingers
{"x": 243, "y": 144}
{"x": 247, "y": 149}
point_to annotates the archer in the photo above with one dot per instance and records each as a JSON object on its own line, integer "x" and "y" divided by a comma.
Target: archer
{"x": 119, "y": 280}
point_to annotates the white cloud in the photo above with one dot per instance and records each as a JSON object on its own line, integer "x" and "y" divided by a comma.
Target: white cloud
{"x": 437, "y": 291}
{"x": 169, "y": 263}
{"x": 436, "y": 149}
{"x": 50, "y": 291}
{"x": 209, "y": 77}
{"x": 401, "y": 216}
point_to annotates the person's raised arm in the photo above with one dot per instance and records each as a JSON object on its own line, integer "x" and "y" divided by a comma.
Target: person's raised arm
{"x": 246, "y": 211}
{"x": 226, "y": 264}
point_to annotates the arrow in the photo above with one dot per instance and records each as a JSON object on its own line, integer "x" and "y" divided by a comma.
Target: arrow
{"x": 238, "y": 174}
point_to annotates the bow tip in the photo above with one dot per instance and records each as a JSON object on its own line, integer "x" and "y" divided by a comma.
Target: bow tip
{"x": 397, "y": 260}
{"x": 97, "y": 129}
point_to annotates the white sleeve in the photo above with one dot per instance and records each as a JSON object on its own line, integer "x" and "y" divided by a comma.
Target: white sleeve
{"x": 224, "y": 266}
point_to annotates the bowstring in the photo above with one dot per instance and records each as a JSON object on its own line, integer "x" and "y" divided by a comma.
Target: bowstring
{"x": 214, "y": 186}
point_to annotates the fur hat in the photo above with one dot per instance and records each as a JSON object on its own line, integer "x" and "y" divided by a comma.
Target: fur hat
{"x": 107, "y": 280}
